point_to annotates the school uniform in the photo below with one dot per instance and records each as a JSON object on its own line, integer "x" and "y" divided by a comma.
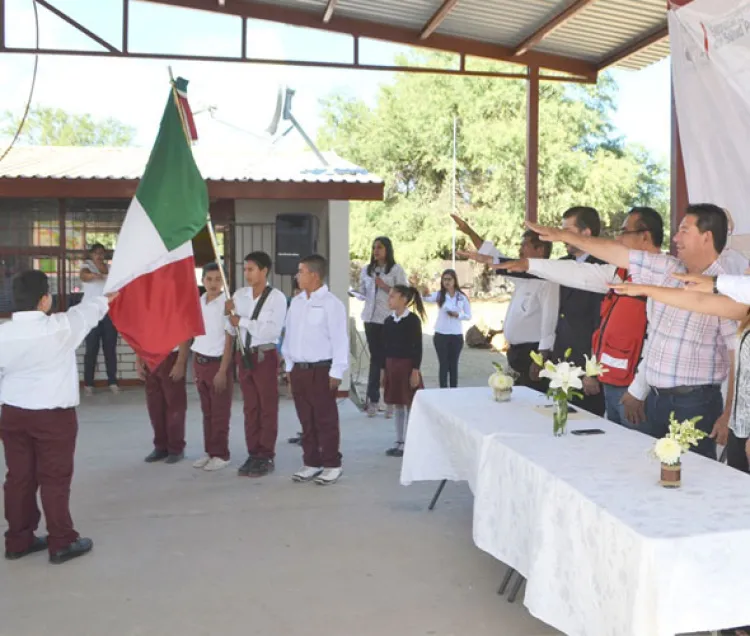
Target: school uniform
{"x": 38, "y": 425}
{"x": 208, "y": 351}
{"x": 316, "y": 348}
{"x": 166, "y": 402}
{"x": 403, "y": 354}
{"x": 104, "y": 333}
{"x": 260, "y": 382}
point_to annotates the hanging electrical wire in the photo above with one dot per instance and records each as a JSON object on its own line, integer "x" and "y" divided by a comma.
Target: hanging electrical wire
{"x": 33, "y": 86}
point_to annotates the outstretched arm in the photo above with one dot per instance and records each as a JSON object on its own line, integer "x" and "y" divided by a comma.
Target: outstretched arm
{"x": 605, "y": 249}
{"x": 464, "y": 227}
{"x": 711, "y": 305}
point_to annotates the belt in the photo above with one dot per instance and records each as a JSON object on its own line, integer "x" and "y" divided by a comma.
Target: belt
{"x": 312, "y": 365}
{"x": 201, "y": 359}
{"x": 684, "y": 390}
{"x": 263, "y": 347}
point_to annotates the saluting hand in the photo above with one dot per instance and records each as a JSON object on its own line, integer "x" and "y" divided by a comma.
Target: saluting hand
{"x": 548, "y": 234}
{"x": 631, "y": 289}
{"x": 461, "y": 224}
{"x": 697, "y": 282}
{"x": 485, "y": 259}
{"x": 520, "y": 265}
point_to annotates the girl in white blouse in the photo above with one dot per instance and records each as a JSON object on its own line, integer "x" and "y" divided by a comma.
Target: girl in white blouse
{"x": 454, "y": 308}
{"x": 375, "y": 283}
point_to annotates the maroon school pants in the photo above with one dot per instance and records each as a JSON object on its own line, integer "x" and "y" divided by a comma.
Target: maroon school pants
{"x": 39, "y": 448}
{"x": 216, "y": 406}
{"x": 260, "y": 393}
{"x": 319, "y": 416}
{"x": 166, "y": 401}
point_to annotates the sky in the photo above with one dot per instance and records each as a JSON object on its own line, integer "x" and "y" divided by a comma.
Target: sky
{"x": 242, "y": 96}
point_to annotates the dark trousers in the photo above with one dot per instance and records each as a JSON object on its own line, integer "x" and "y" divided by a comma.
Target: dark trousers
{"x": 374, "y": 335}
{"x": 448, "y": 349}
{"x": 591, "y": 403}
{"x": 216, "y": 407}
{"x": 106, "y": 334}
{"x": 613, "y": 403}
{"x": 519, "y": 359}
{"x": 736, "y": 454}
{"x": 260, "y": 394}
{"x": 166, "y": 401}
{"x": 319, "y": 416}
{"x": 39, "y": 448}
{"x": 704, "y": 401}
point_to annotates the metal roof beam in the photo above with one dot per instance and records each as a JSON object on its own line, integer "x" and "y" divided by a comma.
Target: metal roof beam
{"x": 330, "y": 8}
{"x": 437, "y": 19}
{"x": 77, "y": 25}
{"x": 640, "y": 43}
{"x": 549, "y": 26}
{"x": 388, "y": 33}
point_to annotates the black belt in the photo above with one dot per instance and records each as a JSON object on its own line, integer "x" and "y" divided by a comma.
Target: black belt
{"x": 201, "y": 359}
{"x": 312, "y": 365}
{"x": 684, "y": 390}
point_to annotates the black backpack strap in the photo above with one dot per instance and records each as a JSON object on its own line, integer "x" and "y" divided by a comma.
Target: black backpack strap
{"x": 247, "y": 356}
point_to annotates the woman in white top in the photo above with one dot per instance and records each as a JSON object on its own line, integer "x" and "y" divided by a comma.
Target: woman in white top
{"x": 454, "y": 308}
{"x": 375, "y": 282}
{"x": 94, "y": 276}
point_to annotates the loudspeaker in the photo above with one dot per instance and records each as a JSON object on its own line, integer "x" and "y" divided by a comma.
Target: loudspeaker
{"x": 296, "y": 237}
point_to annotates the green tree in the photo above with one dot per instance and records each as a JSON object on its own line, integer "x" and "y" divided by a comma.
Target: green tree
{"x": 406, "y": 138}
{"x": 46, "y": 126}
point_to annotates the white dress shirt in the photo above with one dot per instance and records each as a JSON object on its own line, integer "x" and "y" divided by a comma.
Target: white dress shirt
{"x": 459, "y": 304}
{"x": 266, "y": 330}
{"x": 316, "y": 330}
{"x": 376, "y": 308}
{"x": 736, "y": 287}
{"x": 593, "y": 277}
{"x": 38, "y": 367}
{"x": 733, "y": 262}
{"x": 95, "y": 288}
{"x": 532, "y": 312}
{"x": 211, "y": 344}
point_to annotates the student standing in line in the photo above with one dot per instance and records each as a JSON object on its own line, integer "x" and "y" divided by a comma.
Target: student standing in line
{"x": 375, "y": 283}
{"x": 166, "y": 401}
{"x": 260, "y": 311}
{"x": 212, "y": 369}
{"x": 38, "y": 424}
{"x": 93, "y": 275}
{"x": 316, "y": 354}
{"x": 454, "y": 308}
{"x": 403, "y": 357}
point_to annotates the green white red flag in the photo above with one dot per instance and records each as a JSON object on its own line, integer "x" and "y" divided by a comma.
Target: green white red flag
{"x": 158, "y": 306}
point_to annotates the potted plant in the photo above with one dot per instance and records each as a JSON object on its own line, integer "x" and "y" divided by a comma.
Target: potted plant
{"x": 669, "y": 449}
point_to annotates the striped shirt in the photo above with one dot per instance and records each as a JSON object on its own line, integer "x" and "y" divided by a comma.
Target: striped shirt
{"x": 685, "y": 348}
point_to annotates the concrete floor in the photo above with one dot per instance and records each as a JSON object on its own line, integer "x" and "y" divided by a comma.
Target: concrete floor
{"x": 182, "y": 551}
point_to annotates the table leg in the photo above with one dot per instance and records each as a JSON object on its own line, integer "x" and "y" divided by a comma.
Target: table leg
{"x": 437, "y": 495}
{"x": 506, "y": 581}
{"x": 515, "y": 589}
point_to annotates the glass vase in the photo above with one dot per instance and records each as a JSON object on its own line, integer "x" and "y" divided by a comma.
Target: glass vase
{"x": 560, "y": 416}
{"x": 671, "y": 475}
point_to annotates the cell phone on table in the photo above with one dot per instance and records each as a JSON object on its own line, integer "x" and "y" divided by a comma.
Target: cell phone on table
{"x": 587, "y": 431}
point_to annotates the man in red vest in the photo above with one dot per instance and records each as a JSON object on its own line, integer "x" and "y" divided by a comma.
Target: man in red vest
{"x": 619, "y": 342}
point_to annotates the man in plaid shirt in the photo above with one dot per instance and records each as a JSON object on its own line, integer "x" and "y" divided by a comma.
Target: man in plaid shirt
{"x": 688, "y": 355}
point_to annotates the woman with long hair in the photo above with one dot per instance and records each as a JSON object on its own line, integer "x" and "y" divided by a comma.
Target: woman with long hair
{"x": 403, "y": 357}
{"x": 93, "y": 275}
{"x": 453, "y": 309}
{"x": 375, "y": 283}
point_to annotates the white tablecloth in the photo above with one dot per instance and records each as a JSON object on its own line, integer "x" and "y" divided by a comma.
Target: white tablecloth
{"x": 605, "y": 549}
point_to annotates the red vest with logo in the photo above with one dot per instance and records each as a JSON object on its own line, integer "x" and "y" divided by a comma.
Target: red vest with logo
{"x": 618, "y": 343}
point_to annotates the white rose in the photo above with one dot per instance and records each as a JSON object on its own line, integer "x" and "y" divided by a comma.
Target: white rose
{"x": 668, "y": 451}
{"x": 500, "y": 382}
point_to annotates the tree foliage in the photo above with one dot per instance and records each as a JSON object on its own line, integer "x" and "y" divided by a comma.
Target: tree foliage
{"x": 407, "y": 137}
{"x": 46, "y": 126}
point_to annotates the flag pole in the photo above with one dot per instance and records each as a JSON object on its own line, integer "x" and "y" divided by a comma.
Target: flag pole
{"x": 239, "y": 345}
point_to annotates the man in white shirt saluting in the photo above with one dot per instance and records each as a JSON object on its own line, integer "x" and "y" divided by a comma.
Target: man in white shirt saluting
{"x": 259, "y": 313}
{"x": 316, "y": 353}
{"x": 38, "y": 425}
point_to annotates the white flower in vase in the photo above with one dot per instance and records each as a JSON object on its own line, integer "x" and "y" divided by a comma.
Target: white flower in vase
{"x": 501, "y": 382}
{"x": 563, "y": 375}
{"x": 668, "y": 451}
{"x": 594, "y": 368}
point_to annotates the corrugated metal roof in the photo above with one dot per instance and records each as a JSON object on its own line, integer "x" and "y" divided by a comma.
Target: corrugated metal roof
{"x": 216, "y": 164}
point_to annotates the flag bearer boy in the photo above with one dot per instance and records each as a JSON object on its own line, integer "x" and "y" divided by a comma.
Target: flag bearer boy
{"x": 38, "y": 425}
{"x": 212, "y": 369}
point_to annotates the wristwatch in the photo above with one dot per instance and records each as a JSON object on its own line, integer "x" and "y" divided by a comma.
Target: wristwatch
{"x": 716, "y": 288}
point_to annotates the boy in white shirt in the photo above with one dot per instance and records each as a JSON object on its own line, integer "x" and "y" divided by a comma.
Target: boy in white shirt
{"x": 38, "y": 424}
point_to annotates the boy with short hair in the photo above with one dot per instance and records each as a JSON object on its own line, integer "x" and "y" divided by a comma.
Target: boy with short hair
{"x": 38, "y": 425}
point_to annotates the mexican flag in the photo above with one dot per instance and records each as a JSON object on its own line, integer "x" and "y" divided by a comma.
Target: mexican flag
{"x": 158, "y": 306}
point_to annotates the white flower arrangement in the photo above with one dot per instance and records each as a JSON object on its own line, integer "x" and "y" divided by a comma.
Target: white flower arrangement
{"x": 681, "y": 436}
{"x": 565, "y": 377}
{"x": 502, "y": 380}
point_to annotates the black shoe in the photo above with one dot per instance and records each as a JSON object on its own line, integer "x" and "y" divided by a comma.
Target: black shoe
{"x": 174, "y": 458}
{"x": 37, "y": 545}
{"x": 79, "y": 547}
{"x": 156, "y": 456}
{"x": 295, "y": 440}
{"x": 244, "y": 470}
{"x": 261, "y": 467}
{"x": 396, "y": 451}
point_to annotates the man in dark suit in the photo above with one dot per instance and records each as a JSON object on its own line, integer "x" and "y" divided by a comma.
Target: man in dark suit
{"x": 579, "y": 315}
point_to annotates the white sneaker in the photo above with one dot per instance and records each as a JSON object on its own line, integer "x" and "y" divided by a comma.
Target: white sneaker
{"x": 329, "y": 476}
{"x": 306, "y": 474}
{"x": 216, "y": 463}
{"x": 88, "y": 391}
{"x": 201, "y": 463}
{"x": 114, "y": 388}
